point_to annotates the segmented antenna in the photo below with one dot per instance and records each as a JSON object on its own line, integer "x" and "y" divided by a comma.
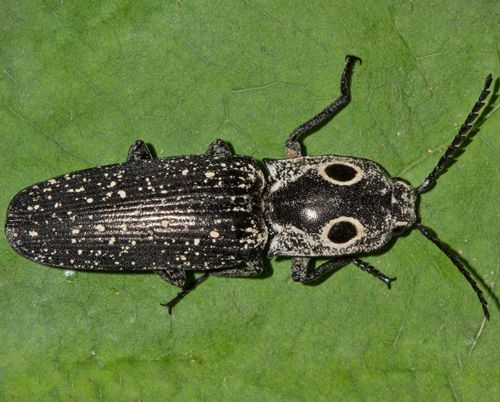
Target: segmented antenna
{"x": 454, "y": 259}
{"x": 457, "y": 141}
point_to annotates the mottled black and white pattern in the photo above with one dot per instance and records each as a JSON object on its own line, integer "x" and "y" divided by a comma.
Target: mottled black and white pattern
{"x": 212, "y": 213}
{"x": 308, "y": 196}
{"x": 180, "y": 213}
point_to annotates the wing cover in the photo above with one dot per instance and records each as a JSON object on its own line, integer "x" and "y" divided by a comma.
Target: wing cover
{"x": 189, "y": 212}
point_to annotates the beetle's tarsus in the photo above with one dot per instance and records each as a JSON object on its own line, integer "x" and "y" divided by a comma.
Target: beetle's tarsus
{"x": 184, "y": 292}
{"x": 364, "y": 266}
{"x": 355, "y": 58}
{"x": 389, "y": 281}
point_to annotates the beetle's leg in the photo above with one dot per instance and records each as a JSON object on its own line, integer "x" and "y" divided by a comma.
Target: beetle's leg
{"x": 172, "y": 303}
{"x": 300, "y": 268}
{"x": 173, "y": 276}
{"x": 218, "y": 148}
{"x": 292, "y": 146}
{"x": 373, "y": 271}
{"x": 139, "y": 151}
{"x": 254, "y": 268}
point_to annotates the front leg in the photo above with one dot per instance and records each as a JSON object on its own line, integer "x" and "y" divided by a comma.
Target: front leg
{"x": 292, "y": 145}
{"x": 364, "y": 266}
{"x": 300, "y": 268}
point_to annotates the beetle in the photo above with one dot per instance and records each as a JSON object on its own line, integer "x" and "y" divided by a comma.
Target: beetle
{"x": 218, "y": 211}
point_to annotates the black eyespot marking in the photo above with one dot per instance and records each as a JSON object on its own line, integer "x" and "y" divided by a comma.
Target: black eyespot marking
{"x": 340, "y": 172}
{"x": 342, "y": 232}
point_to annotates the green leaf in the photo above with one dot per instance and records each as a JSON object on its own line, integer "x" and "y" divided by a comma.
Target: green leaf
{"x": 81, "y": 80}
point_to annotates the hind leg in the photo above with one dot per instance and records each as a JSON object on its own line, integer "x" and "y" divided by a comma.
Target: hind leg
{"x": 139, "y": 151}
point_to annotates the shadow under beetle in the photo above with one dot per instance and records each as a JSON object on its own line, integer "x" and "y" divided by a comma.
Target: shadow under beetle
{"x": 216, "y": 212}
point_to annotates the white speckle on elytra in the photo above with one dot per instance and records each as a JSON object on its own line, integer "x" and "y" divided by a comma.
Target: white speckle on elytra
{"x": 73, "y": 241}
{"x": 75, "y": 231}
{"x": 90, "y": 200}
{"x": 214, "y": 233}
{"x": 164, "y": 223}
{"x": 79, "y": 190}
{"x": 52, "y": 181}
{"x": 124, "y": 227}
{"x": 80, "y": 252}
{"x": 209, "y": 174}
{"x": 196, "y": 242}
{"x": 133, "y": 243}
{"x": 33, "y": 233}
{"x": 112, "y": 240}
{"x": 122, "y": 194}
{"x": 100, "y": 228}
{"x": 185, "y": 172}
{"x": 112, "y": 184}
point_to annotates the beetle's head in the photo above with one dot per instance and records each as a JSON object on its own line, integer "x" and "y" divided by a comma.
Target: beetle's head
{"x": 403, "y": 206}
{"x": 335, "y": 206}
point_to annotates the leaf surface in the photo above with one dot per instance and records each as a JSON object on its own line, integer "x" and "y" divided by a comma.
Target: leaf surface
{"x": 80, "y": 81}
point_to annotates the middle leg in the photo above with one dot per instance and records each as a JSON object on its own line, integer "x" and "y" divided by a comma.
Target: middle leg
{"x": 255, "y": 268}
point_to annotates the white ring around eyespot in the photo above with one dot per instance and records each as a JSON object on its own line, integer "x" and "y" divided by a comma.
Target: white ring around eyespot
{"x": 360, "y": 231}
{"x": 355, "y": 179}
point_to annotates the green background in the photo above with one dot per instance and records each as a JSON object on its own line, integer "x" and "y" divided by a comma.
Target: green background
{"x": 81, "y": 80}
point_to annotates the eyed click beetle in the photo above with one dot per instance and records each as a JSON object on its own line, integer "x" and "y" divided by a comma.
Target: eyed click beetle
{"x": 217, "y": 212}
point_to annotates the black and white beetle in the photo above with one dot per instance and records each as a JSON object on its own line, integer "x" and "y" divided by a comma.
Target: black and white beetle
{"x": 216, "y": 212}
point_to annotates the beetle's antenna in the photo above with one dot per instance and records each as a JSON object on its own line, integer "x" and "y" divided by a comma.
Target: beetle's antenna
{"x": 292, "y": 146}
{"x": 455, "y": 260}
{"x": 457, "y": 141}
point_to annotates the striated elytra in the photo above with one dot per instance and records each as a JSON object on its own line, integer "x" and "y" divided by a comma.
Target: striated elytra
{"x": 219, "y": 213}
